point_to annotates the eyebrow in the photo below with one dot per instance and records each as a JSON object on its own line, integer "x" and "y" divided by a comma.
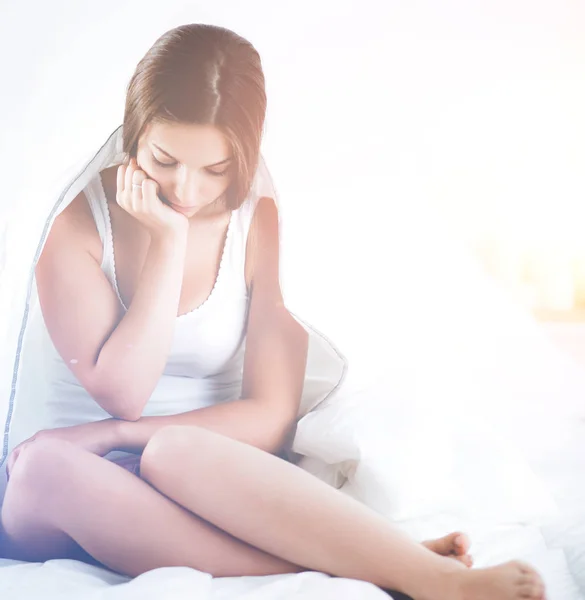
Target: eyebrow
{"x": 217, "y": 164}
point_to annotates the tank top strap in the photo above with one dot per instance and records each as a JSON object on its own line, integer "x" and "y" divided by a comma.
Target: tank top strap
{"x": 235, "y": 252}
{"x": 98, "y": 203}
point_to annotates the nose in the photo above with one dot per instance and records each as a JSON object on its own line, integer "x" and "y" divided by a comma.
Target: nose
{"x": 188, "y": 189}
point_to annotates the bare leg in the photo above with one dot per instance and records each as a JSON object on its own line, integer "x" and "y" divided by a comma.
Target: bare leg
{"x": 123, "y": 529}
{"x": 287, "y": 512}
{"x": 52, "y": 509}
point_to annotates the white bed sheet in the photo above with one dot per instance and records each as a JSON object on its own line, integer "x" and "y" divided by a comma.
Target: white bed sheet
{"x": 556, "y": 551}
{"x": 68, "y": 579}
{"x": 565, "y": 474}
{"x": 72, "y": 580}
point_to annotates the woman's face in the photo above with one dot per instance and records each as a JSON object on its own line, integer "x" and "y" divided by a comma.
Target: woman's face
{"x": 192, "y": 164}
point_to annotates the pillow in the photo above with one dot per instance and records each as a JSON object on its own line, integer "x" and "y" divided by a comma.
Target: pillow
{"x": 325, "y": 369}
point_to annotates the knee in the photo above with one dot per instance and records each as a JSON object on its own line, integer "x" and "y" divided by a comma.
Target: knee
{"x": 167, "y": 447}
{"x": 39, "y": 466}
{"x": 34, "y": 476}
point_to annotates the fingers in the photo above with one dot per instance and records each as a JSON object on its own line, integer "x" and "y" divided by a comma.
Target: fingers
{"x": 138, "y": 177}
{"x": 130, "y": 168}
{"x": 138, "y": 195}
{"x": 9, "y": 463}
{"x": 11, "y": 460}
{"x": 123, "y": 174}
{"x": 120, "y": 178}
{"x": 129, "y": 196}
{"x": 145, "y": 194}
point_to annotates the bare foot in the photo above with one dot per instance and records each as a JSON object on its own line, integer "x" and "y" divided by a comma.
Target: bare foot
{"x": 455, "y": 545}
{"x": 514, "y": 580}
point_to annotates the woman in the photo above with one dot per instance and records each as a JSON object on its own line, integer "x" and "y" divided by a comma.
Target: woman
{"x": 148, "y": 283}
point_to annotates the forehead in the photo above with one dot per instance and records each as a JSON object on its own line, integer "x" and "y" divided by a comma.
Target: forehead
{"x": 192, "y": 145}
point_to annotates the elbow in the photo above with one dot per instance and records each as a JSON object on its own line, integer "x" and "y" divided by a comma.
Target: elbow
{"x": 126, "y": 408}
{"x": 121, "y": 396}
{"x": 120, "y": 406}
{"x": 126, "y": 415}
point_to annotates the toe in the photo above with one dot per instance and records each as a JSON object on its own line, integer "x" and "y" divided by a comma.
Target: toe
{"x": 455, "y": 543}
{"x": 532, "y": 588}
{"x": 524, "y": 568}
{"x": 531, "y": 591}
{"x": 466, "y": 559}
{"x": 460, "y": 543}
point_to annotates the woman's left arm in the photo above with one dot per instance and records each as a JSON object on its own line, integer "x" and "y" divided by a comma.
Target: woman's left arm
{"x": 274, "y": 361}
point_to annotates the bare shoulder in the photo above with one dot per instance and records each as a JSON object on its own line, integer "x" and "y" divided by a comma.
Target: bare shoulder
{"x": 265, "y": 216}
{"x": 266, "y": 208}
{"x": 262, "y": 236}
{"x": 75, "y": 228}
{"x": 264, "y": 221}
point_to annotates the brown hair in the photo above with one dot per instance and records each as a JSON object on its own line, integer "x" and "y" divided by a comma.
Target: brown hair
{"x": 206, "y": 75}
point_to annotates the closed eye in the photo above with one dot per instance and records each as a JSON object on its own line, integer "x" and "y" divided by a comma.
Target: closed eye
{"x": 169, "y": 165}
{"x": 217, "y": 173}
{"x": 162, "y": 164}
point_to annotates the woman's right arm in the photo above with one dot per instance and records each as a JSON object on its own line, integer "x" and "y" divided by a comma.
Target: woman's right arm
{"x": 118, "y": 361}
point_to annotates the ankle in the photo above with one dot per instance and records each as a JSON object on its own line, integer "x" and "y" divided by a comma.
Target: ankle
{"x": 426, "y": 575}
{"x": 443, "y": 582}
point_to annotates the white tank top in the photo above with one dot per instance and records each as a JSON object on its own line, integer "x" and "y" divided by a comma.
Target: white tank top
{"x": 205, "y": 362}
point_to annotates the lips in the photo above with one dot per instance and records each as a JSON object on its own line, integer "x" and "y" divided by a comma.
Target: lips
{"x": 185, "y": 208}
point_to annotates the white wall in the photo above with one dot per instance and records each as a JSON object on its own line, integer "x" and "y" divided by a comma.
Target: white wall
{"x": 379, "y": 114}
